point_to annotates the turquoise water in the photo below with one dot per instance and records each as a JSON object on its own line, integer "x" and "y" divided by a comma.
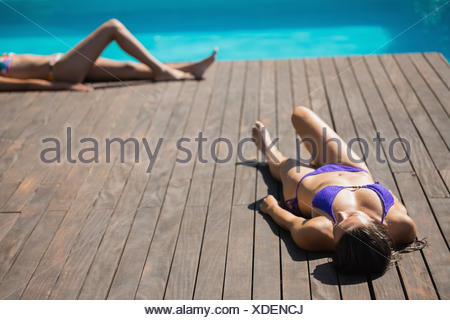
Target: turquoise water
{"x": 175, "y": 30}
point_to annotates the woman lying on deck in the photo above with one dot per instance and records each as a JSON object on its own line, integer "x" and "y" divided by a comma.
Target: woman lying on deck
{"x": 83, "y": 62}
{"x": 345, "y": 210}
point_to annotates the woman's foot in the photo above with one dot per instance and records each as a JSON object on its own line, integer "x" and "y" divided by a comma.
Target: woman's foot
{"x": 197, "y": 69}
{"x": 264, "y": 142}
{"x": 167, "y": 74}
{"x": 268, "y": 204}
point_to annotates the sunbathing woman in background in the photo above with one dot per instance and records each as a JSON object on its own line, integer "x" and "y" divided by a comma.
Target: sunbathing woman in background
{"x": 83, "y": 62}
{"x": 343, "y": 209}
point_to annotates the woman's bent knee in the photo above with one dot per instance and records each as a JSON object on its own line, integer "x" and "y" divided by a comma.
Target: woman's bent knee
{"x": 300, "y": 113}
{"x": 112, "y": 25}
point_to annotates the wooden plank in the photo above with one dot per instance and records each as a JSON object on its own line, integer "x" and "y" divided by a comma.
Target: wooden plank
{"x": 244, "y": 188}
{"x": 323, "y": 277}
{"x": 155, "y": 190}
{"x": 83, "y": 251}
{"x": 83, "y": 197}
{"x": 214, "y": 248}
{"x": 157, "y": 265}
{"x": 65, "y": 116}
{"x": 336, "y": 100}
{"x": 30, "y": 121}
{"x": 182, "y": 276}
{"x": 436, "y": 254}
{"x": 104, "y": 266}
{"x": 12, "y": 106}
{"x": 238, "y": 272}
{"x": 355, "y": 286}
{"x": 419, "y": 156}
{"x": 210, "y": 275}
{"x": 293, "y": 259}
{"x": 15, "y": 281}
{"x": 411, "y": 264}
{"x": 231, "y": 121}
{"x": 78, "y": 198}
{"x": 185, "y": 262}
{"x": 16, "y": 138}
{"x": 267, "y": 258}
{"x": 173, "y": 203}
{"x": 132, "y": 261}
{"x": 440, "y": 208}
{"x": 158, "y": 125}
{"x": 366, "y": 126}
{"x": 113, "y": 242}
{"x": 30, "y": 170}
{"x": 434, "y": 136}
{"x": 317, "y": 93}
{"x": 101, "y": 273}
{"x": 154, "y": 276}
{"x": 300, "y": 87}
{"x": 7, "y": 220}
{"x": 53, "y": 262}
{"x": 432, "y": 79}
{"x": 416, "y": 279}
{"x": 70, "y": 279}
{"x": 376, "y": 110}
{"x": 203, "y": 171}
{"x": 107, "y": 199}
{"x": 83, "y": 121}
{"x": 12, "y": 243}
{"x": 121, "y": 287}
{"x": 430, "y": 103}
{"x": 389, "y": 286}
{"x": 440, "y": 65}
{"x": 294, "y": 262}
{"x": 285, "y": 106}
{"x": 323, "y": 286}
{"x": 195, "y": 123}
{"x": 239, "y": 264}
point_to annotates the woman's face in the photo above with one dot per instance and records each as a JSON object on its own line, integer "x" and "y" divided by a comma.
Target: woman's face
{"x": 346, "y": 220}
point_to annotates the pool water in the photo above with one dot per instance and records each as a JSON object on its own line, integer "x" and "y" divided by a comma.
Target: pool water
{"x": 182, "y": 30}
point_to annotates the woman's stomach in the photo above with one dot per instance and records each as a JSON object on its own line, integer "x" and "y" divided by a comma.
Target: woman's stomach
{"x": 29, "y": 66}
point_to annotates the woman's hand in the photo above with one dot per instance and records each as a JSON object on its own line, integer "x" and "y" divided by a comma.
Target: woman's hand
{"x": 268, "y": 203}
{"x": 78, "y": 87}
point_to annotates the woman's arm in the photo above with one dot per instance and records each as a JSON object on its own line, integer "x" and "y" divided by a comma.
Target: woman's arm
{"x": 11, "y": 84}
{"x": 309, "y": 234}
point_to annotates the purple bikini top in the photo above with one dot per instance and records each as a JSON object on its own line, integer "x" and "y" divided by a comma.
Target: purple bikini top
{"x": 324, "y": 198}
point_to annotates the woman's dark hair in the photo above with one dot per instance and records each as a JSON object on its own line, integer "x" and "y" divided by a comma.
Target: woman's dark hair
{"x": 364, "y": 250}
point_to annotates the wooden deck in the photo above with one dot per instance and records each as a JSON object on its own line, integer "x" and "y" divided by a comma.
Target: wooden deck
{"x": 190, "y": 230}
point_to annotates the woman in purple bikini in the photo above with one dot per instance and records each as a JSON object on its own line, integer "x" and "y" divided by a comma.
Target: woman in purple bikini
{"x": 83, "y": 62}
{"x": 343, "y": 209}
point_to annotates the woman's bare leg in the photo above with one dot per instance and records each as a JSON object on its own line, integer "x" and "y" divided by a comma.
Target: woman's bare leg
{"x": 196, "y": 68}
{"x": 76, "y": 63}
{"x": 281, "y": 168}
{"x": 324, "y": 145}
{"x": 112, "y": 70}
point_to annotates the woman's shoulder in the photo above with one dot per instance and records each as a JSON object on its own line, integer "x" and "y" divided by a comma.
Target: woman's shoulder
{"x": 401, "y": 226}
